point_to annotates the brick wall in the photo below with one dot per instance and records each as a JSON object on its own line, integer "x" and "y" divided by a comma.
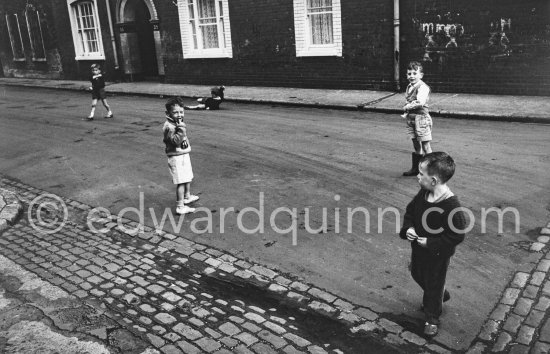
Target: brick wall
{"x": 28, "y": 67}
{"x": 462, "y": 45}
{"x": 467, "y": 51}
{"x": 58, "y": 42}
{"x": 264, "y": 51}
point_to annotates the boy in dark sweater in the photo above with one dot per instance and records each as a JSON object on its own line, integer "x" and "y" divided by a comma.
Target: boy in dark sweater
{"x": 434, "y": 224}
{"x": 98, "y": 91}
{"x": 211, "y": 103}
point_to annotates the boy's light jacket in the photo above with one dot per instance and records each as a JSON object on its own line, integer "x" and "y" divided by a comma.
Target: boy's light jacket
{"x": 175, "y": 138}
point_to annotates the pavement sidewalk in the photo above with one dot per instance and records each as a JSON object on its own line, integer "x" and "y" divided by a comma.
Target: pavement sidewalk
{"x": 531, "y": 109}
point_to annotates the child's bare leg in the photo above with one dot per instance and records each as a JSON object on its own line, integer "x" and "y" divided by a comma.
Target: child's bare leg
{"x": 92, "y": 112}
{"x": 187, "y": 190}
{"x": 106, "y": 105}
{"x": 426, "y": 147}
{"x": 180, "y": 193}
{"x": 198, "y": 106}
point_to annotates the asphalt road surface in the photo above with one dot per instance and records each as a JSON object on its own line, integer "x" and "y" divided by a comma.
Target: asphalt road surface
{"x": 266, "y": 175}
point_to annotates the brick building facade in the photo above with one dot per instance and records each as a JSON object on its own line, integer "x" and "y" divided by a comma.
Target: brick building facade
{"x": 494, "y": 46}
{"x": 490, "y": 46}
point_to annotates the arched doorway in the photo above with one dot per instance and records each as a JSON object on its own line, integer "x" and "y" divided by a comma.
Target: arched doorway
{"x": 139, "y": 40}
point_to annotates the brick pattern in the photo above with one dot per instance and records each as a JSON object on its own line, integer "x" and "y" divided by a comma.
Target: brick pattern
{"x": 519, "y": 322}
{"x": 58, "y": 42}
{"x": 163, "y": 288}
{"x": 10, "y": 209}
{"x": 264, "y": 38}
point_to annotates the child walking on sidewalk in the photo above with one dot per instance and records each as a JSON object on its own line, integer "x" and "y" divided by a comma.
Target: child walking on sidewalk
{"x": 419, "y": 121}
{"x": 98, "y": 91}
{"x": 177, "y": 150}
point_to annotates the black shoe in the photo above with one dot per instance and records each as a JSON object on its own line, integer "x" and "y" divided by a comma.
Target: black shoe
{"x": 430, "y": 329}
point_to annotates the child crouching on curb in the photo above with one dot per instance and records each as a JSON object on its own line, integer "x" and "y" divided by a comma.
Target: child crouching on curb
{"x": 177, "y": 150}
{"x": 434, "y": 224}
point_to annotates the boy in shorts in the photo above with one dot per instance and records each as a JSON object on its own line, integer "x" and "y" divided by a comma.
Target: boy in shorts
{"x": 177, "y": 150}
{"x": 419, "y": 122}
{"x": 98, "y": 91}
{"x": 434, "y": 224}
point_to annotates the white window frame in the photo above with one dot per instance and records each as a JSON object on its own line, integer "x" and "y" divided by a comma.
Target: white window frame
{"x": 41, "y": 39}
{"x": 12, "y": 39}
{"x": 190, "y": 35}
{"x": 81, "y": 52}
{"x": 302, "y": 32}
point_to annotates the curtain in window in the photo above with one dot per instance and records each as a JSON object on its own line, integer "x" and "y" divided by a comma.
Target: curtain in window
{"x": 12, "y": 22}
{"x": 320, "y": 21}
{"x": 208, "y": 23}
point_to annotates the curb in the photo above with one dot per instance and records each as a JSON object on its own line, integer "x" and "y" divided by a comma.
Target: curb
{"x": 519, "y": 318}
{"x": 345, "y": 107}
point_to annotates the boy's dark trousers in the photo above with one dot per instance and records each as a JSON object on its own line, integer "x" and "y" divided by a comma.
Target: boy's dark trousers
{"x": 430, "y": 272}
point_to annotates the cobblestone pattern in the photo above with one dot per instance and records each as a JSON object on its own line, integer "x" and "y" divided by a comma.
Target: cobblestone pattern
{"x": 26, "y": 302}
{"x": 10, "y": 209}
{"x": 519, "y": 323}
{"x": 120, "y": 270}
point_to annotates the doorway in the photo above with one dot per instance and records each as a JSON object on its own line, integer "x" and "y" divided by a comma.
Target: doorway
{"x": 138, "y": 41}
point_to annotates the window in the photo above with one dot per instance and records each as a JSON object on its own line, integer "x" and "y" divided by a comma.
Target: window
{"x": 86, "y": 30}
{"x": 318, "y": 28}
{"x": 14, "y": 31}
{"x": 35, "y": 34}
{"x": 205, "y": 29}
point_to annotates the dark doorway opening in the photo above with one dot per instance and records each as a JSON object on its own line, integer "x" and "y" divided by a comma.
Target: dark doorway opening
{"x": 147, "y": 48}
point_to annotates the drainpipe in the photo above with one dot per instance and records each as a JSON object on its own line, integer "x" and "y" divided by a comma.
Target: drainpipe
{"x": 396, "y": 44}
{"x": 112, "y": 32}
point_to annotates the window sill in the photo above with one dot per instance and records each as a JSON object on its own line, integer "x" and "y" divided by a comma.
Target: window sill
{"x": 90, "y": 57}
{"x": 318, "y": 52}
{"x": 39, "y": 59}
{"x": 19, "y": 59}
{"x": 206, "y": 55}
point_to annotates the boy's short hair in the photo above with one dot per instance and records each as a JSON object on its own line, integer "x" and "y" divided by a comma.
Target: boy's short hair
{"x": 95, "y": 66}
{"x": 439, "y": 164}
{"x": 173, "y": 101}
{"x": 415, "y": 65}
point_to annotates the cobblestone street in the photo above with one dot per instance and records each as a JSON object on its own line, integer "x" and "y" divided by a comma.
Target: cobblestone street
{"x": 158, "y": 291}
{"x": 149, "y": 292}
